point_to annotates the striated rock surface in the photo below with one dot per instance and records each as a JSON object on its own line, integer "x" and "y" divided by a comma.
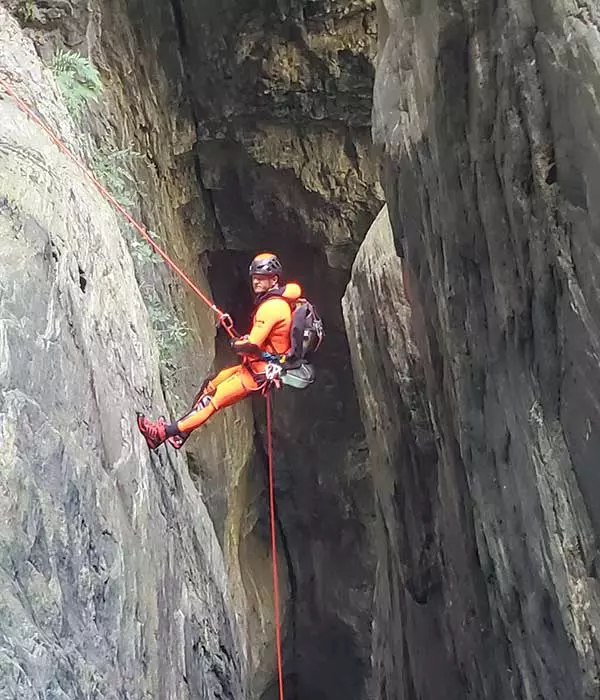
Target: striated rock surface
{"x": 479, "y": 380}
{"x": 112, "y": 581}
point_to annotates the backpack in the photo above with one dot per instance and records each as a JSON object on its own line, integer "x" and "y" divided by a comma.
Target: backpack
{"x": 306, "y": 333}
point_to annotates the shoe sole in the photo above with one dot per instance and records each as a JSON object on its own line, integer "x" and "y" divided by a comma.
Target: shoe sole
{"x": 177, "y": 445}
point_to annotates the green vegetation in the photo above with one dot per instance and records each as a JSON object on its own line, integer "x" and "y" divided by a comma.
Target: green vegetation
{"x": 26, "y": 11}
{"x": 77, "y": 78}
{"x": 171, "y": 333}
{"x": 142, "y": 252}
{"x": 112, "y": 167}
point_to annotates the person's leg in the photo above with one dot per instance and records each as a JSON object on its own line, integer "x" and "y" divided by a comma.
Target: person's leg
{"x": 230, "y": 386}
{"x": 209, "y": 386}
{"x": 177, "y": 438}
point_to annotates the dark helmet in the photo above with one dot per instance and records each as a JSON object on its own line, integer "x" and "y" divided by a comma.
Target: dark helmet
{"x": 266, "y": 264}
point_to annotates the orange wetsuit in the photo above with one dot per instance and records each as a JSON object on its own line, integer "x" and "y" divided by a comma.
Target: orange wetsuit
{"x": 271, "y": 325}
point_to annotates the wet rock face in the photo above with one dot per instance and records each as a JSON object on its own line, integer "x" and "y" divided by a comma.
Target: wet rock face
{"x": 282, "y": 101}
{"x": 480, "y": 381}
{"x": 112, "y": 581}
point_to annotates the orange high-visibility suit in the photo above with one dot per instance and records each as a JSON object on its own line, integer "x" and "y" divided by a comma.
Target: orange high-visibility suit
{"x": 271, "y": 325}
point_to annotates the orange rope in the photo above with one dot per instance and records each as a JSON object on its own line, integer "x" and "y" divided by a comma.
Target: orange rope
{"x": 224, "y": 319}
{"x": 274, "y": 546}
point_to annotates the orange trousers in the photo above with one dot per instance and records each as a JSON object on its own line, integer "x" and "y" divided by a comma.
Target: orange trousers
{"x": 231, "y": 385}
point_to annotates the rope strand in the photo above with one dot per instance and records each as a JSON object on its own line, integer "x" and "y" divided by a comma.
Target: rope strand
{"x": 224, "y": 319}
{"x": 274, "y": 546}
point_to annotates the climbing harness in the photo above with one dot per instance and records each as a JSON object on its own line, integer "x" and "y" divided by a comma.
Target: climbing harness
{"x": 274, "y": 378}
{"x": 273, "y": 372}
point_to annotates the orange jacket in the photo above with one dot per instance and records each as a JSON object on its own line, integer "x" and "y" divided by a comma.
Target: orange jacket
{"x": 271, "y": 326}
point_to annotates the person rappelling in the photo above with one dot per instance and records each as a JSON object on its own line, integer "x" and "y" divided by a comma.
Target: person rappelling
{"x": 285, "y": 331}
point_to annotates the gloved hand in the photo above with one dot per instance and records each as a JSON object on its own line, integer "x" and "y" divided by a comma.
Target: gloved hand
{"x": 241, "y": 346}
{"x": 233, "y": 342}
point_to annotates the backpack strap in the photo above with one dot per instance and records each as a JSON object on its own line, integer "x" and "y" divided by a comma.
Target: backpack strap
{"x": 300, "y": 311}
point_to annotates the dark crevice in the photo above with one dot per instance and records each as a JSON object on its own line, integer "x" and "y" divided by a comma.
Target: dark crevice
{"x": 551, "y": 175}
{"x": 179, "y": 22}
{"x": 82, "y": 279}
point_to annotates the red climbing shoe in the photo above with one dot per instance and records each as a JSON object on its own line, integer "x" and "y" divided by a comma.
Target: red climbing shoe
{"x": 177, "y": 441}
{"x": 154, "y": 432}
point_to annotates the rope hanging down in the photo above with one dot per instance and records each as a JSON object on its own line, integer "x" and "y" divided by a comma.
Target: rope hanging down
{"x": 224, "y": 319}
{"x": 274, "y": 545}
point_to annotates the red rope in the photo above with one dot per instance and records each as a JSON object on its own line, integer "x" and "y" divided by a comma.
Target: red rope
{"x": 274, "y": 546}
{"x": 224, "y": 319}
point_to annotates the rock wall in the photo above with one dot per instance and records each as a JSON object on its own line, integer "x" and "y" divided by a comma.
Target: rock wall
{"x": 282, "y": 101}
{"x": 113, "y": 583}
{"x": 481, "y": 383}
{"x": 253, "y": 121}
{"x": 149, "y": 106}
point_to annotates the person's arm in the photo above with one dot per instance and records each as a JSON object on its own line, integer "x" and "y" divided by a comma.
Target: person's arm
{"x": 267, "y": 316}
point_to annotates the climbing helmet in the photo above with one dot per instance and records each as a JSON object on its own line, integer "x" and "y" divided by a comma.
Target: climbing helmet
{"x": 266, "y": 264}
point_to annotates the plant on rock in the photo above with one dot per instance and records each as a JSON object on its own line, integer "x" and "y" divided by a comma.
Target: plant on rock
{"x": 112, "y": 167}
{"x": 77, "y": 78}
{"x": 26, "y": 11}
{"x": 171, "y": 332}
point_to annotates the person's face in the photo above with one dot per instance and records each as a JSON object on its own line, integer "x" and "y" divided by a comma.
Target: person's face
{"x": 262, "y": 283}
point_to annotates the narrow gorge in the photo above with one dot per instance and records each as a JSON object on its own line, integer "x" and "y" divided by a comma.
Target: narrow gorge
{"x": 426, "y": 171}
